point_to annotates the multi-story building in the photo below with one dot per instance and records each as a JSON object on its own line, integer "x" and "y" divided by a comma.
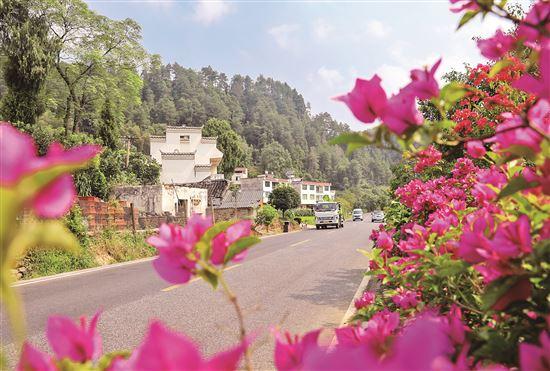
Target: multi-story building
{"x": 310, "y": 192}
{"x": 185, "y": 155}
{"x": 313, "y": 192}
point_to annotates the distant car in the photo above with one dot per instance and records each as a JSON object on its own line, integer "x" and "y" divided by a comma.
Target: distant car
{"x": 357, "y": 214}
{"x": 377, "y": 217}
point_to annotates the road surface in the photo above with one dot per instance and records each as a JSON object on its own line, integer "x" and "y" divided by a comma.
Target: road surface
{"x": 298, "y": 281}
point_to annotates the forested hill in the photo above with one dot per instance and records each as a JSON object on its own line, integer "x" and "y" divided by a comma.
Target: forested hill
{"x": 92, "y": 80}
{"x": 271, "y": 116}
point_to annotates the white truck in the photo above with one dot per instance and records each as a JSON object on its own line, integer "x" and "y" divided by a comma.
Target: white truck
{"x": 328, "y": 214}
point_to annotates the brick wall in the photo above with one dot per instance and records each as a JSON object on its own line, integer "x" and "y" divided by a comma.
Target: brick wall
{"x": 228, "y": 214}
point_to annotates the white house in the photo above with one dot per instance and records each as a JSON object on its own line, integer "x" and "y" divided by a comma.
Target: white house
{"x": 311, "y": 192}
{"x": 185, "y": 155}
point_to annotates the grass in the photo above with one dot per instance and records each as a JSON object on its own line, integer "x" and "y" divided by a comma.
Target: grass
{"x": 105, "y": 248}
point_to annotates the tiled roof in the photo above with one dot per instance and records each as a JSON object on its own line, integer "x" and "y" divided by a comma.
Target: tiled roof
{"x": 242, "y": 199}
{"x": 216, "y": 187}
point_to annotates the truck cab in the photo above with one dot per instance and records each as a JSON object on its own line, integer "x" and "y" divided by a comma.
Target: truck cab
{"x": 328, "y": 214}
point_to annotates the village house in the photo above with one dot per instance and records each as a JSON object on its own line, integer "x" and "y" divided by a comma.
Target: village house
{"x": 185, "y": 155}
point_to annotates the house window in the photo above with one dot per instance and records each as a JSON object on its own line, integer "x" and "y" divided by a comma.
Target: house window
{"x": 304, "y": 187}
{"x": 312, "y": 197}
{"x": 327, "y": 188}
{"x": 304, "y": 197}
{"x": 312, "y": 188}
{"x": 267, "y": 184}
{"x": 184, "y": 138}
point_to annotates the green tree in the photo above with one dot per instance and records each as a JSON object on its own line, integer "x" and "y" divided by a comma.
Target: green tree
{"x": 284, "y": 197}
{"x": 108, "y": 129}
{"x": 266, "y": 215}
{"x": 29, "y": 51}
{"x": 234, "y": 148}
{"x": 275, "y": 158}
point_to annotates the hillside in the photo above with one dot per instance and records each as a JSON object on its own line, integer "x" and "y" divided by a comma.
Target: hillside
{"x": 127, "y": 93}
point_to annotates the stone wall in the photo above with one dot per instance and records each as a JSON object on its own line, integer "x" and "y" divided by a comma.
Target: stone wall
{"x": 147, "y": 199}
{"x": 228, "y": 214}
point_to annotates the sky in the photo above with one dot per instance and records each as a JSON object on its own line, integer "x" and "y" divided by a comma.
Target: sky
{"x": 318, "y": 47}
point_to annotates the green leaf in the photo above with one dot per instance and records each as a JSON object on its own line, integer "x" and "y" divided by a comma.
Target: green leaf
{"x": 353, "y": 140}
{"x": 239, "y": 246}
{"x": 451, "y": 267}
{"x": 497, "y": 67}
{"x": 46, "y": 234}
{"x": 467, "y": 17}
{"x": 204, "y": 246}
{"x": 496, "y": 289}
{"x": 515, "y": 185}
{"x": 451, "y": 93}
{"x": 209, "y": 277}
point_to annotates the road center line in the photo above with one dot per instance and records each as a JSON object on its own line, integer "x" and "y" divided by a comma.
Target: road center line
{"x": 299, "y": 243}
{"x": 170, "y": 288}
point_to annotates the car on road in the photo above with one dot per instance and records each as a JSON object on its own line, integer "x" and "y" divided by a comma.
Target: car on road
{"x": 377, "y": 217}
{"x": 357, "y": 214}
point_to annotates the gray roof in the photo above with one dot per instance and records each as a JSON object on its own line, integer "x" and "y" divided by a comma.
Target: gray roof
{"x": 243, "y": 199}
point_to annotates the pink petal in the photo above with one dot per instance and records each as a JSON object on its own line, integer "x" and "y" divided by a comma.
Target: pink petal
{"x": 169, "y": 269}
{"x": 55, "y": 199}
{"x": 163, "y": 349}
{"x": 226, "y": 361}
{"x": 68, "y": 340}
{"x": 33, "y": 359}
{"x": 367, "y": 99}
{"x": 18, "y": 152}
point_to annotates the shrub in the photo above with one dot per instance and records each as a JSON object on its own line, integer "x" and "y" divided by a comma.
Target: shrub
{"x": 266, "y": 215}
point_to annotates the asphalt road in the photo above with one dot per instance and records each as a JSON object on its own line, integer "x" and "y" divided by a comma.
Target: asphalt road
{"x": 297, "y": 281}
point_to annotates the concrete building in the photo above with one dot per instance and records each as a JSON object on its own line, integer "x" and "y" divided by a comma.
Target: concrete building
{"x": 185, "y": 155}
{"x": 312, "y": 192}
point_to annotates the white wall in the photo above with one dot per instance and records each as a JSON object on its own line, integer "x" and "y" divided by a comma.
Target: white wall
{"x": 193, "y": 196}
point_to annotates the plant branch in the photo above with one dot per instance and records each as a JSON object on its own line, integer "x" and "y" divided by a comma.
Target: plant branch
{"x": 242, "y": 330}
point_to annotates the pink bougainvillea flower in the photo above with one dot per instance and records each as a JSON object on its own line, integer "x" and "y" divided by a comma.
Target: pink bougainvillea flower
{"x": 78, "y": 342}
{"x": 290, "y": 350}
{"x": 35, "y": 360}
{"x": 539, "y": 116}
{"x": 476, "y": 149}
{"x": 423, "y": 84}
{"x": 365, "y": 300}
{"x": 401, "y": 113}
{"x": 405, "y": 299}
{"x": 471, "y": 247}
{"x": 537, "y": 16}
{"x": 163, "y": 349}
{"x": 456, "y": 328}
{"x": 463, "y": 5}
{"x": 497, "y": 46}
{"x": 536, "y": 358}
{"x": 513, "y": 238}
{"x": 175, "y": 262}
{"x": 19, "y": 159}
{"x": 521, "y": 290}
{"x": 384, "y": 240}
{"x": 513, "y": 132}
{"x": 541, "y": 86}
{"x": 221, "y": 242}
{"x": 367, "y": 100}
{"x": 427, "y": 158}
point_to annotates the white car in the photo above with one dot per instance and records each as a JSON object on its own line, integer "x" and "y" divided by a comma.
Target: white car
{"x": 357, "y": 214}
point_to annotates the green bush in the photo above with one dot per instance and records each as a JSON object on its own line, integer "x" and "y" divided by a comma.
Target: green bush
{"x": 266, "y": 215}
{"x": 39, "y": 262}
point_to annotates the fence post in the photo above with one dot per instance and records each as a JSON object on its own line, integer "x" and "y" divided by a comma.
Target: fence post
{"x": 133, "y": 219}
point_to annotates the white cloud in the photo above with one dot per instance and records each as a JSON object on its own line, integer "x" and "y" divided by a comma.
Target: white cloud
{"x": 322, "y": 30}
{"x": 283, "y": 34}
{"x": 393, "y": 77}
{"x": 208, "y": 11}
{"x": 331, "y": 77}
{"x": 375, "y": 28}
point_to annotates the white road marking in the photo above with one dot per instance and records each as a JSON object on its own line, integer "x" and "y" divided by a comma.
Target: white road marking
{"x": 299, "y": 243}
